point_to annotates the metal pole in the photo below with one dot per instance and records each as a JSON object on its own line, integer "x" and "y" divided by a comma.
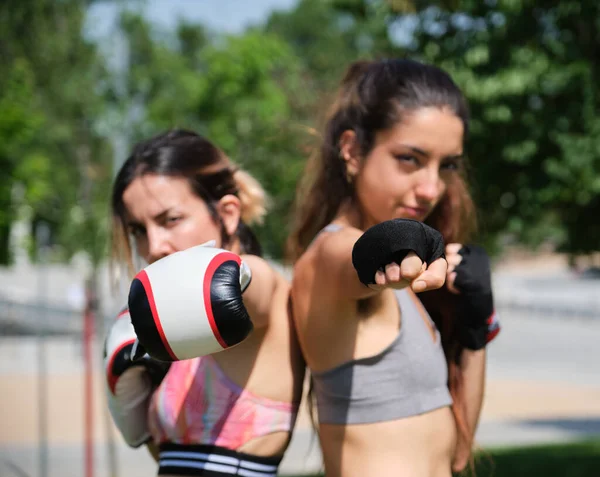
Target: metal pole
{"x": 43, "y": 241}
{"x": 111, "y": 451}
{"x": 88, "y": 339}
{"x": 120, "y": 140}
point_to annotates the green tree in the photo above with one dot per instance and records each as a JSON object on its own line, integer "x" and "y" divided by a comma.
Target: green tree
{"x": 51, "y": 143}
{"x": 327, "y": 35}
{"x": 528, "y": 70}
{"x": 260, "y": 81}
{"x": 19, "y": 124}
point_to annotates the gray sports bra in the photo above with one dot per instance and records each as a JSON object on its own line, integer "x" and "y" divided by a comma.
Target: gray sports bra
{"x": 407, "y": 378}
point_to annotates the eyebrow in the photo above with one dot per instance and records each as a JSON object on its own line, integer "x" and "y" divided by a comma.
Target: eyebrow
{"x": 162, "y": 214}
{"x": 159, "y": 216}
{"x": 426, "y": 154}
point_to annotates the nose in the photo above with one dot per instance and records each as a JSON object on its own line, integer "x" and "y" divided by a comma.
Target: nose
{"x": 158, "y": 244}
{"x": 429, "y": 186}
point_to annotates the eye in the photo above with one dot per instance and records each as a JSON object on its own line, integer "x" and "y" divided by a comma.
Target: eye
{"x": 170, "y": 221}
{"x": 407, "y": 158}
{"x": 450, "y": 165}
{"x": 137, "y": 231}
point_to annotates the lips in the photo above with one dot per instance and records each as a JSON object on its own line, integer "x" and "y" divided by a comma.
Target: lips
{"x": 414, "y": 212}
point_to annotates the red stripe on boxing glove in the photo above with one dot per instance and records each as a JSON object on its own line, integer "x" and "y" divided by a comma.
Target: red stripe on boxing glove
{"x": 189, "y": 304}
{"x": 493, "y": 328}
{"x": 129, "y": 385}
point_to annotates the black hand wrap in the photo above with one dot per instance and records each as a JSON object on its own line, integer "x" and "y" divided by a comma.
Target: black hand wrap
{"x": 391, "y": 241}
{"x": 475, "y": 302}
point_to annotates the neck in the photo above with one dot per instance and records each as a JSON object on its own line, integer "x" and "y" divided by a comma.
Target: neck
{"x": 234, "y": 245}
{"x": 350, "y": 215}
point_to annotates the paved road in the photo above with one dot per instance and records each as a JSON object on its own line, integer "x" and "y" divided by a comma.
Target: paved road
{"x": 549, "y": 348}
{"x": 544, "y": 381}
{"x": 556, "y": 292}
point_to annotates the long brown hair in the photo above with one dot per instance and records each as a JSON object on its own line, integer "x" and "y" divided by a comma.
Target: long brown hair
{"x": 210, "y": 173}
{"x": 373, "y": 97}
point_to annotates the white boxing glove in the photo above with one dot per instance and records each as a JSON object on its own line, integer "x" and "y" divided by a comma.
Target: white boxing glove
{"x": 129, "y": 385}
{"x": 189, "y": 304}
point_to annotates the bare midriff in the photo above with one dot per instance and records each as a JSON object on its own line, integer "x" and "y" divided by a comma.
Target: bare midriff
{"x": 417, "y": 446}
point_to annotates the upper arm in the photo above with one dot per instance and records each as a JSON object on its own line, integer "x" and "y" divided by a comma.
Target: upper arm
{"x": 259, "y": 294}
{"x": 333, "y": 260}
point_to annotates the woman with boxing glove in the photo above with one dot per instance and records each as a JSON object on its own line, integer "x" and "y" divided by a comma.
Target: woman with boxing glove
{"x": 207, "y": 308}
{"x": 374, "y": 208}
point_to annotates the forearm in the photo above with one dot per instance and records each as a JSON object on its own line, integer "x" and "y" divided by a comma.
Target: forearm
{"x": 472, "y": 366}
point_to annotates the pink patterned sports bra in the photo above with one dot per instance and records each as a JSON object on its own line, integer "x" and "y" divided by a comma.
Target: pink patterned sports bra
{"x": 197, "y": 410}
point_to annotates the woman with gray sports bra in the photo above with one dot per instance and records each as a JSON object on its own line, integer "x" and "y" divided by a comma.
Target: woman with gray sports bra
{"x": 392, "y": 149}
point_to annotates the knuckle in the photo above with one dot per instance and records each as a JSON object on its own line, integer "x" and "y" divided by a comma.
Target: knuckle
{"x": 391, "y": 267}
{"x": 437, "y": 280}
{"x": 409, "y": 271}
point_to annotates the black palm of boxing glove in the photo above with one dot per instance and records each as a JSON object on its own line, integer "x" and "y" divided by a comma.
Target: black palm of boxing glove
{"x": 154, "y": 369}
{"x": 391, "y": 241}
{"x": 477, "y": 324}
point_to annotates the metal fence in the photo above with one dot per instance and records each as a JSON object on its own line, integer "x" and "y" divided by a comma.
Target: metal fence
{"x": 37, "y": 318}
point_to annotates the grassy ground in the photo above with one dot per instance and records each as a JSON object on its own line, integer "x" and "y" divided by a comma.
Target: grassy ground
{"x": 580, "y": 459}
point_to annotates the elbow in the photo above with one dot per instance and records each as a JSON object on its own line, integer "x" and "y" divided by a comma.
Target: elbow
{"x": 459, "y": 466}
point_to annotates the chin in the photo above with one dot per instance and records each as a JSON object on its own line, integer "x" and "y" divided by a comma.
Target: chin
{"x": 409, "y": 217}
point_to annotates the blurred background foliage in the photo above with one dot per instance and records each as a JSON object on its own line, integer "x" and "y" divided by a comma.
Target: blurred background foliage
{"x": 70, "y": 112}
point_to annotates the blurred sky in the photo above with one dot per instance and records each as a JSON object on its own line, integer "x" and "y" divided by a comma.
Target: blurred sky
{"x": 230, "y": 16}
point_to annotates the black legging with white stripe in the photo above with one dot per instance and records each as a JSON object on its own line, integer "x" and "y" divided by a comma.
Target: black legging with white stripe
{"x": 213, "y": 461}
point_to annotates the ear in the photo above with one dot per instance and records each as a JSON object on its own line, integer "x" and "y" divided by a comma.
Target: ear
{"x": 229, "y": 208}
{"x": 350, "y": 152}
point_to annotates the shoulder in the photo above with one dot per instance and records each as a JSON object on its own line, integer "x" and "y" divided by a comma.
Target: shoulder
{"x": 267, "y": 278}
{"x": 262, "y": 268}
{"x": 336, "y": 247}
{"x": 265, "y": 298}
{"x": 329, "y": 255}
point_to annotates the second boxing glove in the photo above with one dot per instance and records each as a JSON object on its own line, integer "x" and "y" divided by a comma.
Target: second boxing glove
{"x": 189, "y": 304}
{"x": 477, "y": 323}
{"x": 129, "y": 385}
